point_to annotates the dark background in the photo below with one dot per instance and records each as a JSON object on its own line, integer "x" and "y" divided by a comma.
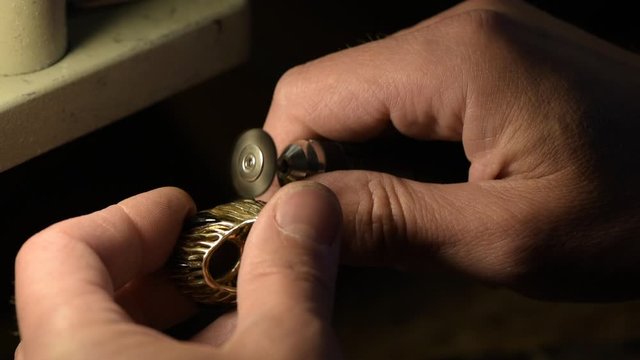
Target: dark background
{"x": 185, "y": 141}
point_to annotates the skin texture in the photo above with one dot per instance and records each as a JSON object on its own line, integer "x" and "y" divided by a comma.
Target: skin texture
{"x": 547, "y": 117}
{"x": 91, "y": 286}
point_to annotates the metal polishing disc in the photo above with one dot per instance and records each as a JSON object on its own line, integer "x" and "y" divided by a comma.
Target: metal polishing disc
{"x": 253, "y": 163}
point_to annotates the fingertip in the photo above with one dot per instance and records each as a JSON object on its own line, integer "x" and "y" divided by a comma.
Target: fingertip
{"x": 170, "y": 197}
{"x": 308, "y": 211}
{"x": 291, "y": 256}
{"x": 180, "y": 194}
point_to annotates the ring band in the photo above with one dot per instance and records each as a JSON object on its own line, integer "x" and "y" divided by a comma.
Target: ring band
{"x": 207, "y": 256}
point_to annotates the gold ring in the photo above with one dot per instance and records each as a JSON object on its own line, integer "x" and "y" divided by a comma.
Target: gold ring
{"x": 207, "y": 256}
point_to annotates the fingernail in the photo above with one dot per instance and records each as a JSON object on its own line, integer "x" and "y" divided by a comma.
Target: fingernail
{"x": 309, "y": 211}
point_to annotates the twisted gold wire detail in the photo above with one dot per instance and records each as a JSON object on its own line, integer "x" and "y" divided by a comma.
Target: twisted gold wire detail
{"x": 207, "y": 256}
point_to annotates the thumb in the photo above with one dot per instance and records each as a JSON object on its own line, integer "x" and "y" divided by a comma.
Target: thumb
{"x": 287, "y": 276}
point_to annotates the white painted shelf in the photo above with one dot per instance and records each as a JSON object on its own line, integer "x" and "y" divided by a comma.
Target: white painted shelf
{"x": 121, "y": 59}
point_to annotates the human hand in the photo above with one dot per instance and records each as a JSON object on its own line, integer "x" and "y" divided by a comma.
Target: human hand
{"x": 548, "y": 117}
{"x": 88, "y": 287}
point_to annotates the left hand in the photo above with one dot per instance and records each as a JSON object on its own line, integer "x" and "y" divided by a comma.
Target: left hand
{"x": 89, "y": 287}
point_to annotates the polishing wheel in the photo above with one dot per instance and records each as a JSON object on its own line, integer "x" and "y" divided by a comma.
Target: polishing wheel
{"x": 253, "y": 163}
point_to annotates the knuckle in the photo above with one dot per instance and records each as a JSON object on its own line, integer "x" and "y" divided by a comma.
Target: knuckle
{"x": 25, "y": 251}
{"x": 490, "y": 4}
{"x": 288, "y": 88}
{"x": 52, "y": 240}
{"x": 387, "y": 216}
{"x": 483, "y": 24}
{"x": 475, "y": 40}
{"x": 381, "y": 217}
{"x": 476, "y": 28}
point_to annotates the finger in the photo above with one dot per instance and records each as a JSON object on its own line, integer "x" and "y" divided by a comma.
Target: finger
{"x": 155, "y": 301}
{"x": 480, "y": 228}
{"x": 219, "y": 331}
{"x": 18, "y": 355}
{"x": 287, "y": 276}
{"x": 358, "y": 93}
{"x": 76, "y": 265}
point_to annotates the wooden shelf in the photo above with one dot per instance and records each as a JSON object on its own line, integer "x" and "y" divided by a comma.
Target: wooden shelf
{"x": 121, "y": 59}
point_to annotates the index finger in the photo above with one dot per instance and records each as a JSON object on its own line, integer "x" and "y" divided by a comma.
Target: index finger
{"x": 66, "y": 274}
{"x": 410, "y": 81}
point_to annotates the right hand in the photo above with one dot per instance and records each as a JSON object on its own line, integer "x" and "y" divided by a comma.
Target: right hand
{"x": 549, "y": 118}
